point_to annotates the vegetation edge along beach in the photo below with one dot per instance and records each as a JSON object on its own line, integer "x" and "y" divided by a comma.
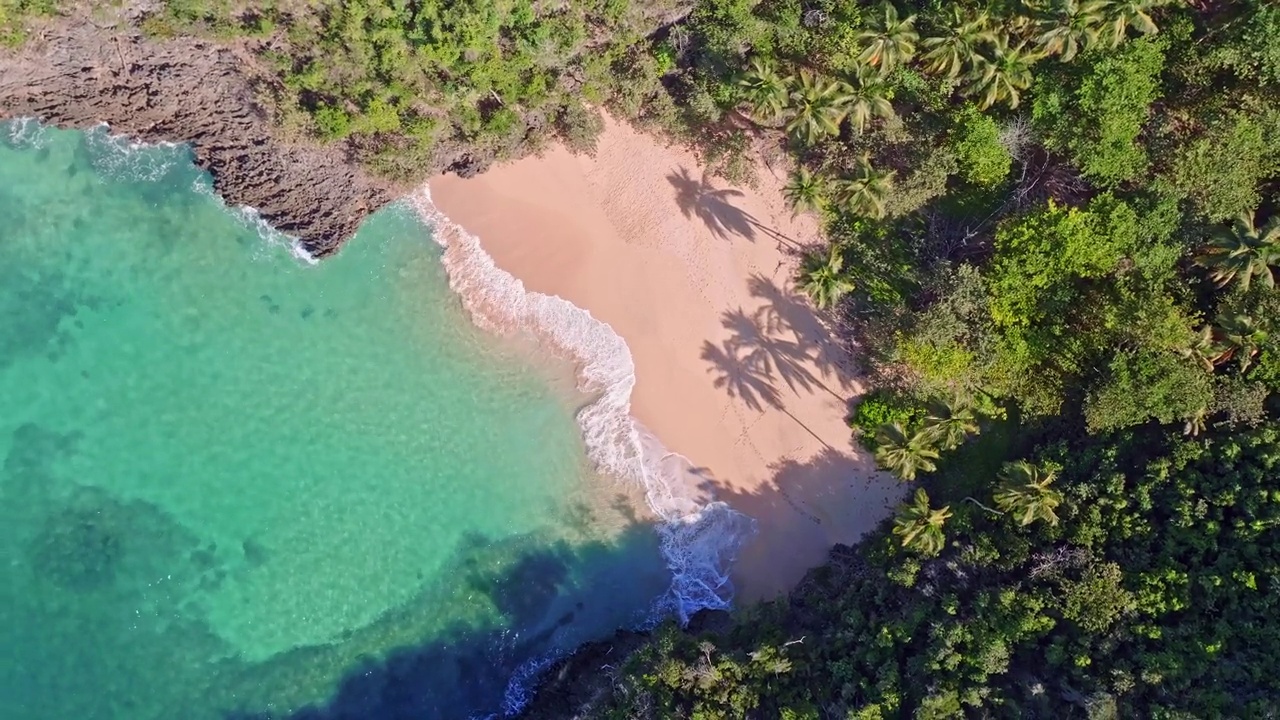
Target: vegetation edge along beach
{"x": 1051, "y": 229}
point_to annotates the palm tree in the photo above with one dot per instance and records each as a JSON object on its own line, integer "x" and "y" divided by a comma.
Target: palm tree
{"x": 1243, "y": 251}
{"x": 1025, "y": 491}
{"x": 1241, "y": 337}
{"x": 804, "y": 191}
{"x": 1070, "y": 26}
{"x": 948, "y": 53}
{"x": 1123, "y": 14}
{"x": 951, "y": 422}
{"x": 822, "y": 278}
{"x": 1205, "y": 349}
{"x": 868, "y": 98}
{"x": 764, "y": 89}
{"x": 904, "y": 454}
{"x": 1002, "y": 76}
{"x": 1196, "y": 422}
{"x": 817, "y": 107}
{"x": 920, "y": 526}
{"x": 865, "y": 192}
{"x": 889, "y": 40}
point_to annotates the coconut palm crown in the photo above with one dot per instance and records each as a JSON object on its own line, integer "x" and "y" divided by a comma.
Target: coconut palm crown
{"x": 1026, "y": 493}
{"x": 805, "y": 191}
{"x": 904, "y": 454}
{"x": 1070, "y": 26}
{"x": 866, "y": 191}
{"x": 890, "y": 40}
{"x": 1001, "y": 75}
{"x": 821, "y": 277}
{"x": 816, "y": 108}
{"x": 951, "y": 422}
{"x": 868, "y": 98}
{"x": 949, "y": 53}
{"x": 920, "y": 526}
{"x": 1241, "y": 337}
{"x": 764, "y": 90}
{"x": 1242, "y": 252}
{"x": 1124, "y": 14}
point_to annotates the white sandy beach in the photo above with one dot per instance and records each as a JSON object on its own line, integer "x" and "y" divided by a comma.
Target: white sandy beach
{"x": 733, "y": 369}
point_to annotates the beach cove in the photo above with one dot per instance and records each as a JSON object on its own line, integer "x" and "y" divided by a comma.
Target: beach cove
{"x": 733, "y": 369}
{"x": 711, "y": 412}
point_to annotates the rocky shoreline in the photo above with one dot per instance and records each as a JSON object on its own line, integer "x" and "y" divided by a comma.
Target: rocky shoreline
{"x": 78, "y": 74}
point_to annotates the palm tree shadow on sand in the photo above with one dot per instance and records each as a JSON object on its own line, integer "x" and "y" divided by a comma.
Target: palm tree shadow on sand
{"x": 741, "y": 375}
{"x": 782, "y": 340}
{"x": 701, "y": 199}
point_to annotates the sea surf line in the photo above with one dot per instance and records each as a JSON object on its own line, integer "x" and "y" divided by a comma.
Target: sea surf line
{"x": 699, "y": 540}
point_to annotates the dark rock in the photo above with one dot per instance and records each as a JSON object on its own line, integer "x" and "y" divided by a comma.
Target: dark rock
{"x": 189, "y": 90}
{"x": 570, "y": 684}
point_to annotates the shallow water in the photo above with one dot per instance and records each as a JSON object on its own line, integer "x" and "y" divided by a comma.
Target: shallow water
{"x": 237, "y": 484}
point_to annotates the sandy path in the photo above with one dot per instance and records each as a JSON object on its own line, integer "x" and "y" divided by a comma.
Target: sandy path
{"x": 733, "y": 369}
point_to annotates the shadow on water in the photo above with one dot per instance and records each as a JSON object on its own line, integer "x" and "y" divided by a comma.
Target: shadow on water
{"x": 82, "y": 558}
{"x": 550, "y": 597}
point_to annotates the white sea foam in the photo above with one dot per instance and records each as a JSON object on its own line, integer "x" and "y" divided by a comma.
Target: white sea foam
{"x": 523, "y": 683}
{"x": 699, "y": 540}
{"x": 122, "y": 157}
{"x": 271, "y": 237}
{"x": 25, "y": 133}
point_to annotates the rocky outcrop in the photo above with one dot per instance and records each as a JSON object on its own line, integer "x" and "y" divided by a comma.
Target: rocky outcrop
{"x": 80, "y": 74}
{"x": 576, "y": 685}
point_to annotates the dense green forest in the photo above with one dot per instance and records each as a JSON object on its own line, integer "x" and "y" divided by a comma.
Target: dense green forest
{"x": 1053, "y": 227}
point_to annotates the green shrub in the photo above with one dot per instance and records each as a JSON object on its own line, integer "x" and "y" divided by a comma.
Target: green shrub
{"x": 1221, "y": 171}
{"x": 881, "y": 407}
{"x": 983, "y": 160}
{"x": 579, "y": 127}
{"x": 1097, "y": 117}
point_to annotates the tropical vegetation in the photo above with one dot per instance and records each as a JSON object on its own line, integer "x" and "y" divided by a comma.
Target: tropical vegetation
{"x": 1052, "y": 227}
{"x": 1058, "y": 228}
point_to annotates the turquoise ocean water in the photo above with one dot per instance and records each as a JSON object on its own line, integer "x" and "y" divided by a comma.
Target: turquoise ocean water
{"x": 236, "y": 484}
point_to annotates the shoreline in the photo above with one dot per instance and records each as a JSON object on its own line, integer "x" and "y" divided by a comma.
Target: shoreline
{"x": 732, "y": 370}
{"x": 699, "y": 537}
{"x": 79, "y": 73}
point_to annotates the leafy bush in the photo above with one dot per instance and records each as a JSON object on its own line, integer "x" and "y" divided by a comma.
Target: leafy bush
{"x": 16, "y": 14}
{"x": 579, "y": 127}
{"x": 1097, "y": 116}
{"x": 883, "y": 407}
{"x": 983, "y": 159}
{"x": 1222, "y": 170}
{"x": 1147, "y": 385}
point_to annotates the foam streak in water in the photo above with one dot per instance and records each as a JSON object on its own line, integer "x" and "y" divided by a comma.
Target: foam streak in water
{"x": 24, "y": 133}
{"x": 699, "y": 540}
{"x": 121, "y": 157}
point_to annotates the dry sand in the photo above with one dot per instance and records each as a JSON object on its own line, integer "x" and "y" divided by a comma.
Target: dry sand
{"x": 733, "y": 368}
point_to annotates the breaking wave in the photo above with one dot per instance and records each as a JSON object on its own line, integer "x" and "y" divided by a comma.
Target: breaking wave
{"x": 699, "y": 540}
{"x": 123, "y": 158}
{"x": 24, "y": 133}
